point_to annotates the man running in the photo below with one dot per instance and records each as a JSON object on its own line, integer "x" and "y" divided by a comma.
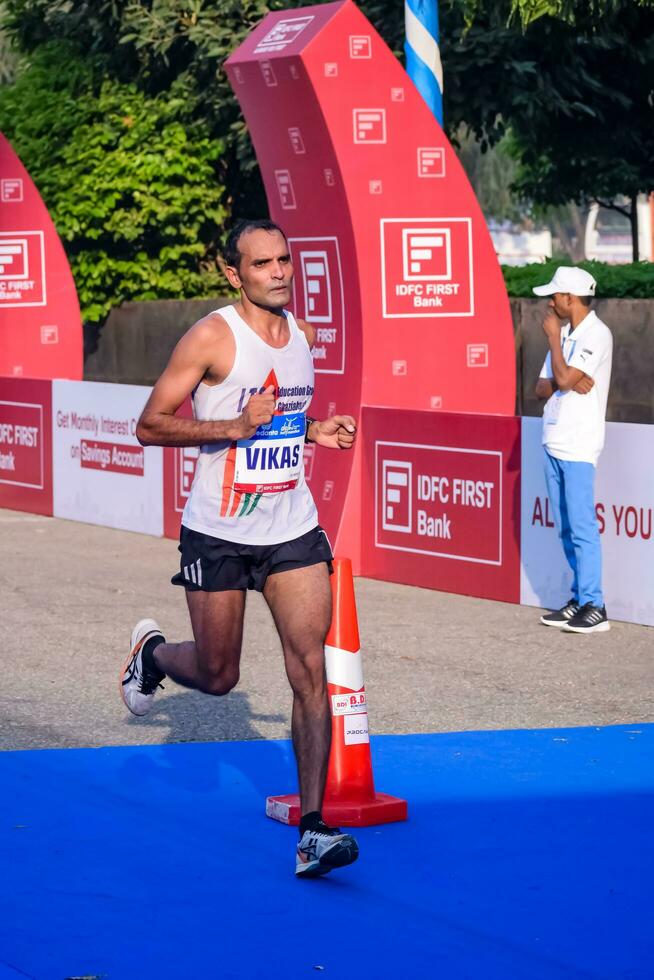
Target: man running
{"x": 250, "y": 521}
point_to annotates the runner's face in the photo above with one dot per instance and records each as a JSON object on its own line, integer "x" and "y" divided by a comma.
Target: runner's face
{"x": 266, "y": 272}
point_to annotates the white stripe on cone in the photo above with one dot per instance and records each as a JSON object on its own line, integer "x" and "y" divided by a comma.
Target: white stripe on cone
{"x": 344, "y": 668}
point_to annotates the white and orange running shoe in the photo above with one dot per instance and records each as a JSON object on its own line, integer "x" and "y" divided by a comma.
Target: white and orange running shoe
{"x": 324, "y": 849}
{"x": 139, "y": 680}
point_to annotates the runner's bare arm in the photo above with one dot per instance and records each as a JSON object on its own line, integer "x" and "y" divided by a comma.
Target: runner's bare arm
{"x": 199, "y": 351}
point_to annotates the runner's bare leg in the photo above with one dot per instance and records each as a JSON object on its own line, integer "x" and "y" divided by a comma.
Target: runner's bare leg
{"x": 210, "y": 662}
{"x": 301, "y": 604}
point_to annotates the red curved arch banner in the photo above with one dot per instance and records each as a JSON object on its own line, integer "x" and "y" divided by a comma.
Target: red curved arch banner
{"x": 40, "y": 326}
{"x": 393, "y": 261}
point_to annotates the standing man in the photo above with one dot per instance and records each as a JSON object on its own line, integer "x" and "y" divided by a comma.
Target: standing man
{"x": 575, "y": 381}
{"x": 250, "y": 521}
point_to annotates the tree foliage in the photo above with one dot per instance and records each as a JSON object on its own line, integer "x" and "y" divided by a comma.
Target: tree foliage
{"x": 569, "y": 11}
{"x": 491, "y": 175}
{"x": 129, "y": 180}
{"x": 582, "y": 117}
{"x": 8, "y": 58}
{"x": 594, "y": 132}
{"x": 159, "y": 45}
{"x": 568, "y": 86}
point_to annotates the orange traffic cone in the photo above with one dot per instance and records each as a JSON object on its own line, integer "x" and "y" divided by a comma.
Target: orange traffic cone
{"x": 350, "y": 798}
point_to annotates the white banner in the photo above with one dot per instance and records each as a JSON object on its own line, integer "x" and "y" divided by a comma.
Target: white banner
{"x": 624, "y": 494}
{"x": 101, "y": 473}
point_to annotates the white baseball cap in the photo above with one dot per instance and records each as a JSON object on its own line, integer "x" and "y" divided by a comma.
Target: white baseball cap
{"x": 568, "y": 279}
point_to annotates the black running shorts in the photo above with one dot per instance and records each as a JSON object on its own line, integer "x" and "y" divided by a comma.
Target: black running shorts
{"x": 213, "y": 565}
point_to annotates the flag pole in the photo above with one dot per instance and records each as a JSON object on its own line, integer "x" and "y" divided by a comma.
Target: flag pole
{"x": 423, "y": 59}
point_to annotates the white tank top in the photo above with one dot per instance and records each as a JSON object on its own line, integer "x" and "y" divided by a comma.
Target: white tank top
{"x": 253, "y": 491}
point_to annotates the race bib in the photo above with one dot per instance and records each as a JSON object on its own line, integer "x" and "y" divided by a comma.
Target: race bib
{"x": 271, "y": 461}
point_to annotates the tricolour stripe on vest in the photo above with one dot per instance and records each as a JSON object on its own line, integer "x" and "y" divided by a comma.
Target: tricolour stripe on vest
{"x": 228, "y": 480}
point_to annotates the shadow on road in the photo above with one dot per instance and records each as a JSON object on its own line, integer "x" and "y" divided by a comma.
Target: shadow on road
{"x": 189, "y": 716}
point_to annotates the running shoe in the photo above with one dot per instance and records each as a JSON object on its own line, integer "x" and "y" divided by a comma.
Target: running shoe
{"x": 324, "y": 849}
{"x": 561, "y": 616}
{"x": 139, "y": 680}
{"x": 589, "y": 619}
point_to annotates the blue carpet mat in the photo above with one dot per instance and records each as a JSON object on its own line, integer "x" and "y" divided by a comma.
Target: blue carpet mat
{"x": 527, "y": 855}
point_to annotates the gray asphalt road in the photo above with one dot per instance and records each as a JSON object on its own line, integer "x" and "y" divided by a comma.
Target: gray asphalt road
{"x": 433, "y": 662}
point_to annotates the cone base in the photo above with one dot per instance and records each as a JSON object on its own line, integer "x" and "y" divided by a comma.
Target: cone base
{"x": 381, "y": 809}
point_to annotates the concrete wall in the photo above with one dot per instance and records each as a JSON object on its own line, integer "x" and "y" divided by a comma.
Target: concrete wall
{"x": 631, "y": 396}
{"x": 136, "y": 341}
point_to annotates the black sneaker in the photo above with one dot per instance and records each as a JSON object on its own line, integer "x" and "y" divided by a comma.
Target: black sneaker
{"x": 323, "y": 849}
{"x": 589, "y": 619}
{"x": 562, "y": 616}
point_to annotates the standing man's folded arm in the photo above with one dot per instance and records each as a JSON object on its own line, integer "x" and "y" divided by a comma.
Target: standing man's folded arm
{"x": 565, "y": 377}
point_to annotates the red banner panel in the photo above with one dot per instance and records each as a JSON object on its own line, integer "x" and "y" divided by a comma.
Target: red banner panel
{"x": 40, "y": 325}
{"x": 26, "y": 445}
{"x": 393, "y": 261}
{"x": 113, "y": 457}
{"x": 178, "y": 472}
{"x": 318, "y": 297}
{"x": 446, "y": 492}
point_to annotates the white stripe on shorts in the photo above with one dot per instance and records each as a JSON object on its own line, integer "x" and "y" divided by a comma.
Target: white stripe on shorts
{"x": 327, "y": 540}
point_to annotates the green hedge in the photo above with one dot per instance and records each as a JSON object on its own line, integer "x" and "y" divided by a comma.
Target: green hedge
{"x": 634, "y": 281}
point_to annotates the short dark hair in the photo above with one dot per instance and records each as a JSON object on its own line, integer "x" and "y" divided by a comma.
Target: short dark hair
{"x": 585, "y": 300}
{"x": 231, "y": 253}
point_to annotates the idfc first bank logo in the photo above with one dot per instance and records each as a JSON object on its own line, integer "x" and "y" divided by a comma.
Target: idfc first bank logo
{"x": 21, "y": 444}
{"x": 284, "y": 33}
{"x": 186, "y": 460}
{"x": 22, "y": 269}
{"x": 319, "y": 298}
{"x": 443, "y": 501}
{"x": 426, "y": 267}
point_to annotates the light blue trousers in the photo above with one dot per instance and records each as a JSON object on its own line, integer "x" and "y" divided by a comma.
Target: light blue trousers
{"x": 571, "y": 489}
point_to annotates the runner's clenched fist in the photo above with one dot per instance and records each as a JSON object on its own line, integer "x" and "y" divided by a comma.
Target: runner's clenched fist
{"x": 258, "y": 411}
{"x": 337, "y": 432}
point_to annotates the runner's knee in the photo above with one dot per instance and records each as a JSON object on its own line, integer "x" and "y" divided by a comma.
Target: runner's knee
{"x": 218, "y": 680}
{"x": 218, "y": 669}
{"x": 306, "y": 672}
